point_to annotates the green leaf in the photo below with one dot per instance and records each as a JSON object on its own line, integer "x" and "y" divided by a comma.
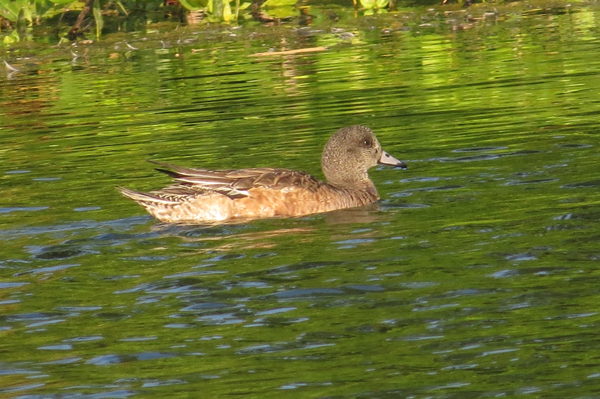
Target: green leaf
{"x": 10, "y": 9}
{"x": 279, "y": 3}
{"x": 193, "y": 5}
{"x": 98, "y": 18}
{"x": 24, "y": 15}
{"x": 122, "y": 7}
{"x": 227, "y": 15}
{"x": 282, "y": 12}
{"x": 12, "y": 38}
{"x": 60, "y": 2}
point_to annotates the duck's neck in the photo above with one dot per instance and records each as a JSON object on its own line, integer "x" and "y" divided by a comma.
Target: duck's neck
{"x": 360, "y": 194}
{"x": 362, "y": 184}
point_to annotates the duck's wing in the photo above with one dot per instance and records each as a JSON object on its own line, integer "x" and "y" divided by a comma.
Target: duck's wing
{"x": 233, "y": 183}
{"x": 172, "y": 195}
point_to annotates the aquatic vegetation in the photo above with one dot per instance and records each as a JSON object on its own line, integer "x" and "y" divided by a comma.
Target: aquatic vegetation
{"x": 30, "y": 11}
{"x": 216, "y": 10}
{"x": 21, "y": 14}
{"x": 72, "y": 18}
{"x": 372, "y": 5}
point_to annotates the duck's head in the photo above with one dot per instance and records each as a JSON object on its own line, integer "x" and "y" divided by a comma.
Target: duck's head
{"x": 350, "y": 153}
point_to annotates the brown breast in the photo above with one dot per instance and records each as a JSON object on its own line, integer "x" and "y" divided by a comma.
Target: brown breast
{"x": 299, "y": 201}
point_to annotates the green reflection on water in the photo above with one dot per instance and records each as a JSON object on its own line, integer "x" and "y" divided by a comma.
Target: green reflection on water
{"x": 476, "y": 276}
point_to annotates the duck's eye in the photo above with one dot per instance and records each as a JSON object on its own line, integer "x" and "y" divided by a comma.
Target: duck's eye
{"x": 367, "y": 143}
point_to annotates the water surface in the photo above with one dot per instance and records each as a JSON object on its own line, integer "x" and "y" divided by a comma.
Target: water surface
{"x": 475, "y": 276}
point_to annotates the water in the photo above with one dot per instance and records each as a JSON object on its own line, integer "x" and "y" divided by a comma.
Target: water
{"x": 476, "y": 276}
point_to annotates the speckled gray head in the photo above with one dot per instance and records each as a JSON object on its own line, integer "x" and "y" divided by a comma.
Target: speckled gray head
{"x": 349, "y": 154}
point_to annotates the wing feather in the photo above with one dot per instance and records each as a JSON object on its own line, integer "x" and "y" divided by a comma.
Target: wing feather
{"x": 232, "y": 183}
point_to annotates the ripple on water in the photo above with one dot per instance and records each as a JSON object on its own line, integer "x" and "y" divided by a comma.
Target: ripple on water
{"x": 479, "y": 149}
{"x": 90, "y": 338}
{"x": 225, "y": 257}
{"x": 524, "y": 182}
{"x": 138, "y": 339}
{"x": 25, "y": 387}
{"x": 275, "y": 311}
{"x": 171, "y": 286}
{"x": 23, "y": 209}
{"x": 208, "y": 306}
{"x": 220, "y": 319}
{"x": 58, "y": 252}
{"x": 352, "y": 243}
{"x": 280, "y": 347}
{"x": 104, "y": 360}
{"x": 158, "y": 383}
{"x": 87, "y": 209}
{"x": 521, "y": 257}
{"x": 364, "y": 288}
{"x": 574, "y": 145}
{"x": 197, "y": 273}
{"x": 308, "y": 292}
{"x": 538, "y": 271}
{"x": 77, "y": 309}
{"x": 583, "y": 184}
{"x": 47, "y": 270}
{"x": 25, "y": 317}
{"x": 11, "y": 285}
{"x": 420, "y": 179}
{"x": 58, "y": 347}
{"x": 46, "y": 179}
{"x": 487, "y": 157}
{"x": 9, "y": 371}
{"x": 291, "y": 268}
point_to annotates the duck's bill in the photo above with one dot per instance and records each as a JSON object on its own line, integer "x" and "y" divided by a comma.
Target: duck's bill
{"x": 387, "y": 159}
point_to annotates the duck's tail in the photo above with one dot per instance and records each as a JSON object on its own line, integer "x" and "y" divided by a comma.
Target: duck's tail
{"x": 145, "y": 199}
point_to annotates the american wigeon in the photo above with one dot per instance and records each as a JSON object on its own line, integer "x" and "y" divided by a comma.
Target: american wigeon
{"x": 207, "y": 196}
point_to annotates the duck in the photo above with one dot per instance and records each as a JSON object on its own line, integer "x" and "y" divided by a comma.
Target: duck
{"x": 217, "y": 196}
